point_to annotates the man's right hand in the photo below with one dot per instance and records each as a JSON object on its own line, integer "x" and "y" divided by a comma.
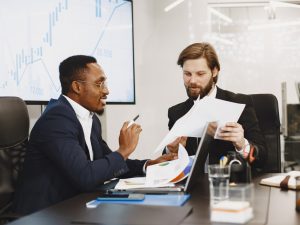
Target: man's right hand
{"x": 173, "y": 146}
{"x": 128, "y": 139}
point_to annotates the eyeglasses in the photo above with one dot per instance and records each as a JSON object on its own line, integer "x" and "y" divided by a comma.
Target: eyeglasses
{"x": 101, "y": 85}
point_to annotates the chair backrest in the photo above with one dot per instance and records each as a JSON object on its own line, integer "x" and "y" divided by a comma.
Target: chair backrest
{"x": 266, "y": 108}
{"x": 14, "y": 132}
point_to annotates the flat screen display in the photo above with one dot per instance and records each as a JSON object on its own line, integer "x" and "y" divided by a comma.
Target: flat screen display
{"x": 37, "y": 35}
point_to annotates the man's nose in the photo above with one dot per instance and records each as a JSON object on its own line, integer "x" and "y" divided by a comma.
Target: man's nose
{"x": 105, "y": 90}
{"x": 193, "y": 78}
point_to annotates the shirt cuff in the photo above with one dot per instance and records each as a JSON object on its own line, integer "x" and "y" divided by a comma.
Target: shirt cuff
{"x": 144, "y": 167}
{"x": 167, "y": 150}
{"x": 245, "y": 151}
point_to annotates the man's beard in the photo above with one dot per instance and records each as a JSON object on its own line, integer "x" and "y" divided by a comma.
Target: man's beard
{"x": 100, "y": 112}
{"x": 203, "y": 91}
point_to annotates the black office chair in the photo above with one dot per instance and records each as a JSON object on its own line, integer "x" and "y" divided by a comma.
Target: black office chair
{"x": 14, "y": 131}
{"x": 266, "y": 108}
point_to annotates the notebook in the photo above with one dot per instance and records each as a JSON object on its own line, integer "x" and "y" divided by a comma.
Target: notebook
{"x": 197, "y": 169}
{"x": 275, "y": 181}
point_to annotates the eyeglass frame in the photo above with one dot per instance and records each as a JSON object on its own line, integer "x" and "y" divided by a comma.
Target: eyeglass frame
{"x": 101, "y": 85}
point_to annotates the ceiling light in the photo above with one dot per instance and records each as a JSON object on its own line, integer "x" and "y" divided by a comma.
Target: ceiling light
{"x": 173, "y": 5}
{"x": 220, "y": 15}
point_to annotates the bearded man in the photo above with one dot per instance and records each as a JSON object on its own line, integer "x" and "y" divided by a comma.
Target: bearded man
{"x": 200, "y": 66}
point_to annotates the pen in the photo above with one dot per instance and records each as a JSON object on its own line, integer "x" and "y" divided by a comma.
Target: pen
{"x": 223, "y": 161}
{"x": 133, "y": 120}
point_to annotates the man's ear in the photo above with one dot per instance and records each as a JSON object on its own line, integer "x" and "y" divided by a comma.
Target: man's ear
{"x": 215, "y": 72}
{"x": 76, "y": 88}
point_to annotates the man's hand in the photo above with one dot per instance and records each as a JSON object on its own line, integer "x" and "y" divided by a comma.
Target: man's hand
{"x": 163, "y": 158}
{"x": 233, "y": 132}
{"x": 173, "y": 146}
{"x": 128, "y": 139}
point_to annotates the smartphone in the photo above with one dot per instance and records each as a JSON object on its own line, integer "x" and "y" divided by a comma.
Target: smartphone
{"x": 121, "y": 197}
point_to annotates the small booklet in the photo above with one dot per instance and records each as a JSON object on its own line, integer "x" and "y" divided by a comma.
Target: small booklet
{"x": 276, "y": 180}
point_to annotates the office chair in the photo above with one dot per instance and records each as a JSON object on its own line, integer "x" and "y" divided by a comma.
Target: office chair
{"x": 14, "y": 131}
{"x": 266, "y": 108}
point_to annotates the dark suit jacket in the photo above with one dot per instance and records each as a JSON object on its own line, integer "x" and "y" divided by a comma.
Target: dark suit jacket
{"x": 220, "y": 148}
{"x": 57, "y": 165}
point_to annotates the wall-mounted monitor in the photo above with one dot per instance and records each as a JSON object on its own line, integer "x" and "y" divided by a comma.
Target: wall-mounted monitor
{"x": 37, "y": 35}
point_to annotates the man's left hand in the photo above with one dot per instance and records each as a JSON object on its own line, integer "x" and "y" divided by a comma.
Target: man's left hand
{"x": 233, "y": 132}
{"x": 163, "y": 158}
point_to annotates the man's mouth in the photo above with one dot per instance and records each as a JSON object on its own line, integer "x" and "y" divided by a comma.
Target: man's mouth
{"x": 194, "y": 88}
{"x": 103, "y": 100}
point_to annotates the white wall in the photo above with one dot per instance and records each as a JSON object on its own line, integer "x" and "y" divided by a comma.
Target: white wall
{"x": 159, "y": 38}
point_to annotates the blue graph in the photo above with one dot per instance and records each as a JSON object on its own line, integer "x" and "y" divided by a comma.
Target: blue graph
{"x": 54, "y": 31}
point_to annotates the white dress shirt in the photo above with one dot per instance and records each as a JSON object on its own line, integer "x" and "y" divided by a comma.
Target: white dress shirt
{"x": 85, "y": 118}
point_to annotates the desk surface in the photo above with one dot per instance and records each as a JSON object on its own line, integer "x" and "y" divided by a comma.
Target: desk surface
{"x": 271, "y": 206}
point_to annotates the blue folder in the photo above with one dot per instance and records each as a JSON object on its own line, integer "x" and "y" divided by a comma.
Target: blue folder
{"x": 161, "y": 200}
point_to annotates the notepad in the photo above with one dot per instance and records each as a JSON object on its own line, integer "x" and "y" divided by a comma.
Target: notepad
{"x": 231, "y": 212}
{"x": 159, "y": 200}
{"x": 274, "y": 181}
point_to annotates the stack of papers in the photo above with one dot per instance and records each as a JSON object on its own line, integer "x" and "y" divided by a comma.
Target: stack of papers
{"x": 231, "y": 212}
{"x": 163, "y": 174}
{"x": 276, "y": 180}
{"x": 206, "y": 110}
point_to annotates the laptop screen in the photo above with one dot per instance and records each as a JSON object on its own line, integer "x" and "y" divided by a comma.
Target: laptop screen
{"x": 197, "y": 169}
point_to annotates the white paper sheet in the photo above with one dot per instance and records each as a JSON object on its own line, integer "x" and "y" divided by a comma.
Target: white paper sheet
{"x": 137, "y": 182}
{"x": 206, "y": 110}
{"x": 163, "y": 173}
{"x": 158, "y": 175}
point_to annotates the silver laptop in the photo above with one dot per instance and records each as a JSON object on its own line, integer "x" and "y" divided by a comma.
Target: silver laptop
{"x": 197, "y": 169}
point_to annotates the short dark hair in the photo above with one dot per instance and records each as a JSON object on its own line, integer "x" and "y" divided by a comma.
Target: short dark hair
{"x": 72, "y": 69}
{"x": 200, "y": 50}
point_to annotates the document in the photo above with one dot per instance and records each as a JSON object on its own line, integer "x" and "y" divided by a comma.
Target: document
{"x": 163, "y": 174}
{"x": 206, "y": 110}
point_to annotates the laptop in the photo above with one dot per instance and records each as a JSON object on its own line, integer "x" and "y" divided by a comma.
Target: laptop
{"x": 197, "y": 169}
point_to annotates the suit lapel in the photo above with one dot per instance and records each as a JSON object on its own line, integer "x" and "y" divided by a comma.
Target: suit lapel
{"x": 82, "y": 142}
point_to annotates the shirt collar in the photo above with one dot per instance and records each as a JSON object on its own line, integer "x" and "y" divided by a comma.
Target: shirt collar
{"x": 213, "y": 92}
{"x": 80, "y": 111}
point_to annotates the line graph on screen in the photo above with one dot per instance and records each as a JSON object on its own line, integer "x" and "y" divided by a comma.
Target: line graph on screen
{"x": 39, "y": 35}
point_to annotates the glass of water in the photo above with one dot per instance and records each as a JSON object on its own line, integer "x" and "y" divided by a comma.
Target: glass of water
{"x": 218, "y": 182}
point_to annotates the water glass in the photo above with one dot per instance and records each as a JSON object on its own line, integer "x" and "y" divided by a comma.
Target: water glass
{"x": 218, "y": 182}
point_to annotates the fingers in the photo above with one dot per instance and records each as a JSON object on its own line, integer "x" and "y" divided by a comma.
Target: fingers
{"x": 128, "y": 138}
{"x": 232, "y": 127}
{"x": 134, "y": 128}
{"x": 233, "y": 132}
{"x": 170, "y": 156}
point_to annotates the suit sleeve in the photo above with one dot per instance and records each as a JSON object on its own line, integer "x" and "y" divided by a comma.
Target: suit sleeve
{"x": 61, "y": 143}
{"x": 135, "y": 166}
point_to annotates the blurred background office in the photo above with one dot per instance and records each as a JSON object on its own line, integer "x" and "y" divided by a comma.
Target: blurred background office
{"x": 257, "y": 42}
